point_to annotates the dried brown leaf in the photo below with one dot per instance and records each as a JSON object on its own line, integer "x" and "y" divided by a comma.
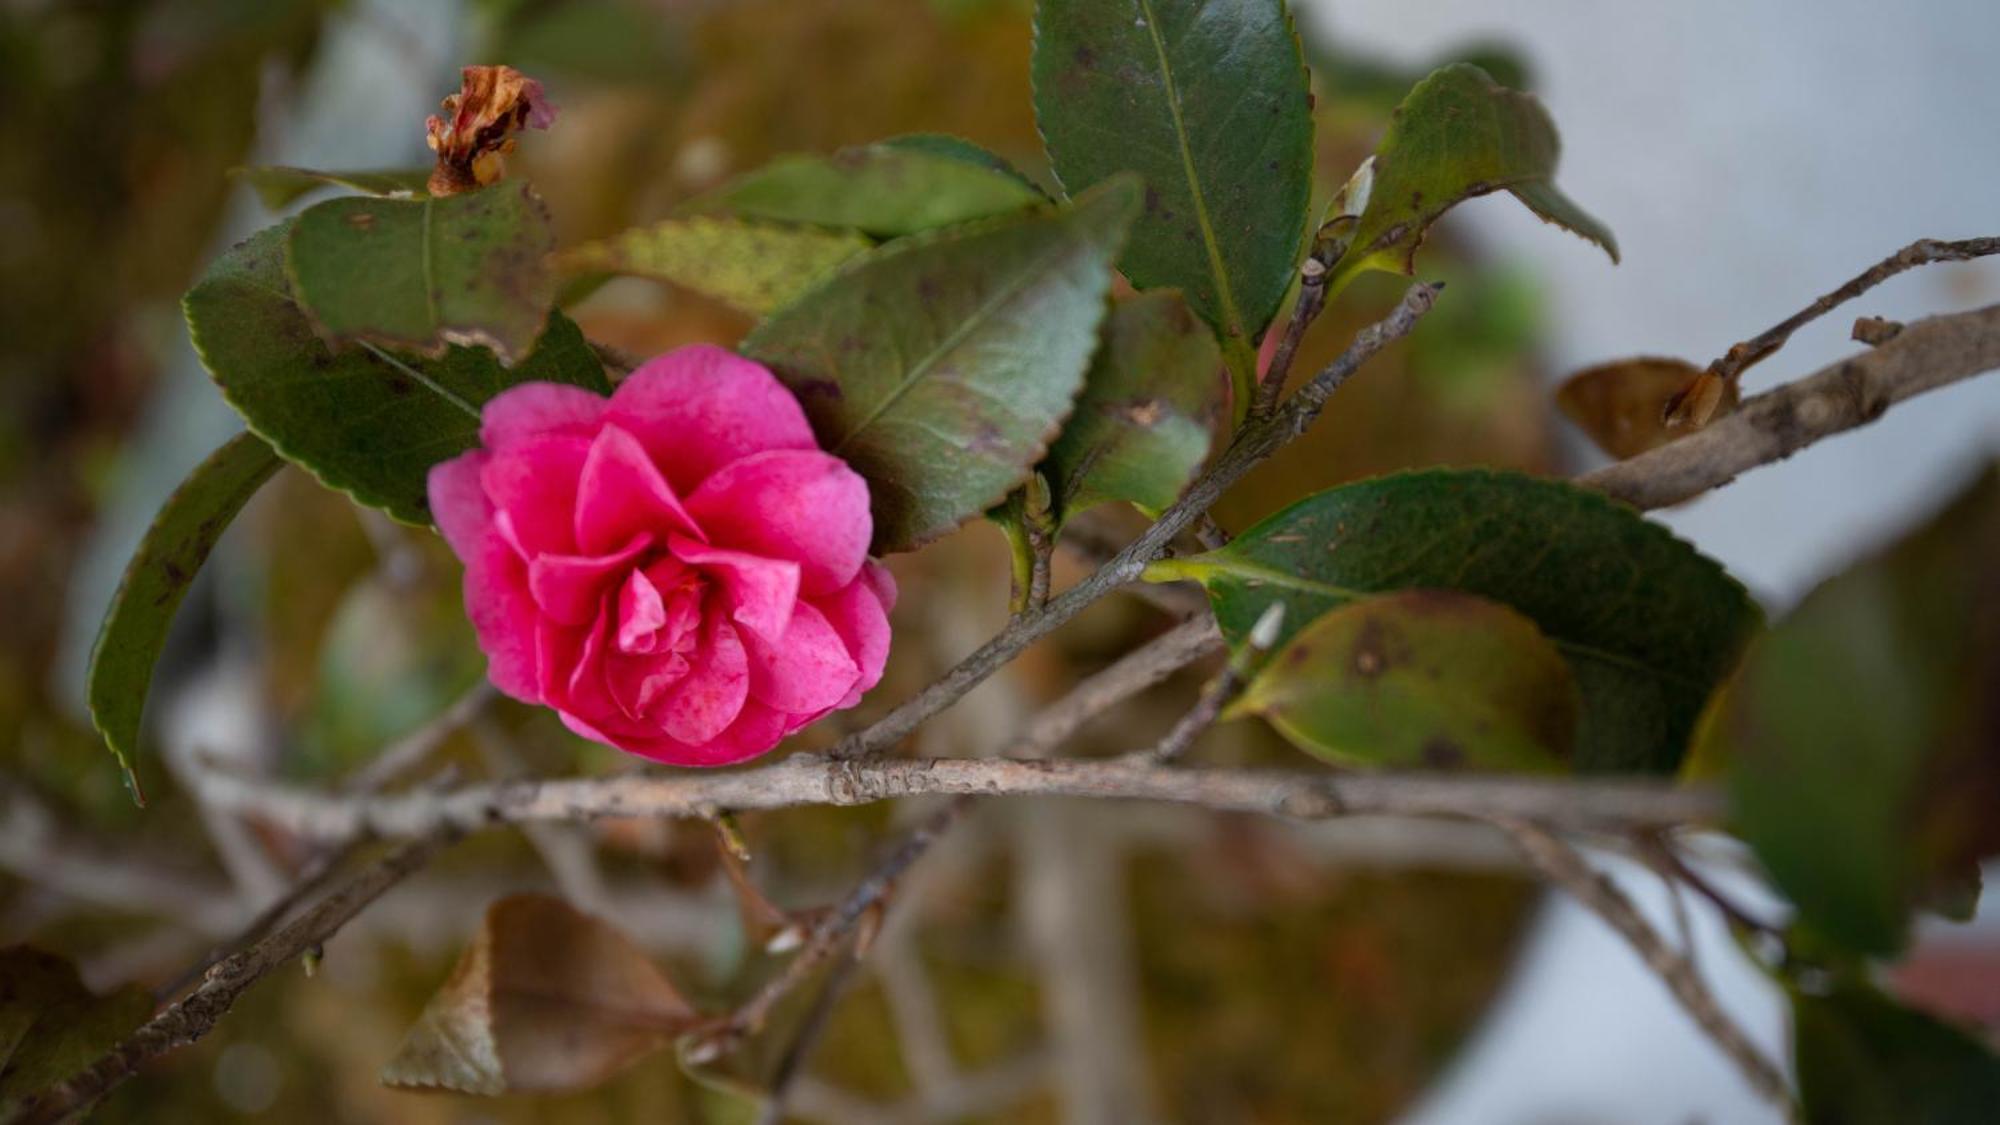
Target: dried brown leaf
{"x": 1629, "y": 406}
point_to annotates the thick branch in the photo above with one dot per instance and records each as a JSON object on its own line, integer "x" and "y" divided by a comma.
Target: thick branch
{"x": 1561, "y": 864}
{"x": 810, "y": 779}
{"x": 1926, "y": 355}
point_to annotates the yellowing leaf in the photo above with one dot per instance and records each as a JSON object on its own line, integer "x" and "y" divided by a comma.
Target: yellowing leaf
{"x": 752, "y": 266}
{"x": 546, "y": 999}
{"x": 1421, "y": 678}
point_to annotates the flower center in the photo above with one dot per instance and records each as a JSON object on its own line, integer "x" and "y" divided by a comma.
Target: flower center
{"x": 659, "y": 609}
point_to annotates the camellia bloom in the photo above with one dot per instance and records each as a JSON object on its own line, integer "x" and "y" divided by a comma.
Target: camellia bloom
{"x": 678, "y": 570}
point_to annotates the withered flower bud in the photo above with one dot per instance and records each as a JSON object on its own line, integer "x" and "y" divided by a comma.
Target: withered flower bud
{"x": 476, "y": 131}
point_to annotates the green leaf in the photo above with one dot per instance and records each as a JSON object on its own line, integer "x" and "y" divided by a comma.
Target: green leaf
{"x": 1867, "y": 717}
{"x": 547, "y": 999}
{"x": 941, "y": 365}
{"x": 1863, "y": 1059}
{"x": 1435, "y": 679}
{"x": 752, "y": 266}
{"x": 52, "y": 1027}
{"x": 135, "y": 626}
{"x": 1458, "y": 135}
{"x": 364, "y": 421}
{"x": 278, "y": 186}
{"x": 1209, "y": 101}
{"x": 1147, "y": 413}
{"x": 422, "y": 274}
{"x": 887, "y": 190}
{"x": 1649, "y": 625}
{"x": 958, "y": 148}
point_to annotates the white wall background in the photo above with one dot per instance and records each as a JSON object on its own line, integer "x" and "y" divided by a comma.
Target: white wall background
{"x": 1749, "y": 156}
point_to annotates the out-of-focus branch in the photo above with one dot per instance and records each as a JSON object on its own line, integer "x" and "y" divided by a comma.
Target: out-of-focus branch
{"x": 1131, "y": 674}
{"x": 191, "y": 1017}
{"x": 1925, "y": 355}
{"x": 811, "y": 779}
{"x": 1562, "y": 865}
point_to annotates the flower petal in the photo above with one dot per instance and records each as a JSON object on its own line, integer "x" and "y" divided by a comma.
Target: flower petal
{"x": 858, "y": 614}
{"x": 571, "y": 588}
{"x": 791, "y": 504}
{"x": 759, "y": 592}
{"x": 496, "y": 581}
{"x": 808, "y": 670}
{"x": 698, "y": 408}
{"x": 620, "y": 493}
{"x": 532, "y": 410}
{"x": 532, "y": 485}
{"x": 641, "y": 612}
{"x": 703, "y": 704}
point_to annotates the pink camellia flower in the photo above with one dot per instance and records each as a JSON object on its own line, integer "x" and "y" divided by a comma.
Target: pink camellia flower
{"x": 677, "y": 570}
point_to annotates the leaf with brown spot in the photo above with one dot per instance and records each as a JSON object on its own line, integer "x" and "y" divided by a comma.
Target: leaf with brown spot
{"x": 1649, "y": 626}
{"x": 1622, "y": 405}
{"x": 363, "y": 420}
{"x": 547, "y": 999}
{"x": 1150, "y": 404}
{"x": 423, "y": 274}
{"x": 1458, "y": 135}
{"x": 1430, "y": 679}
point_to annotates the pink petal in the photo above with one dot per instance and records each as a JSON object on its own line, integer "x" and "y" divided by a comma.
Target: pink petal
{"x": 641, "y": 612}
{"x": 856, "y": 612}
{"x": 802, "y": 505}
{"x": 808, "y": 670}
{"x": 496, "y": 594}
{"x": 758, "y": 591}
{"x": 532, "y": 484}
{"x": 883, "y": 583}
{"x": 704, "y": 704}
{"x": 639, "y": 682}
{"x": 620, "y": 493}
{"x": 698, "y": 408}
{"x": 533, "y": 410}
{"x": 571, "y": 588}
{"x": 757, "y": 728}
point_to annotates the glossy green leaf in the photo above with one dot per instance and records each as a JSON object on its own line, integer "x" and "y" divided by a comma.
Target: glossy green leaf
{"x": 52, "y": 1027}
{"x": 940, "y": 366}
{"x": 423, "y": 274}
{"x": 1864, "y": 1059}
{"x": 364, "y": 420}
{"x": 135, "y": 626}
{"x": 1866, "y": 717}
{"x": 1434, "y": 679}
{"x": 1208, "y": 100}
{"x": 546, "y": 999}
{"x": 1649, "y": 625}
{"x": 1458, "y": 135}
{"x": 958, "y": 148}
{"x": 886, "y": 190}
{"x": 752, "y": 266}
{"x": 1150, "y": 404}
{"x": 278, "y": 186}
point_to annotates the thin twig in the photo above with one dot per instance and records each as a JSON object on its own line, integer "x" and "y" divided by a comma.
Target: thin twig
{"x": 1131, "y": 674}
{"x": 1926, "y": 355}
{"x": 1563, "y": 866}
{"x": 799, "y": 1051}
{"x": 409, "y": 751}
{"x": 1306, "y": 309}
{"x": 1219, "y": 692}
{"x": 1922, "y": 252}
{"x": 191, "y": 1017}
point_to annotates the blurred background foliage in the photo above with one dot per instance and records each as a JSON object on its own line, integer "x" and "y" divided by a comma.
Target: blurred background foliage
{"x": 1283, "y": 976}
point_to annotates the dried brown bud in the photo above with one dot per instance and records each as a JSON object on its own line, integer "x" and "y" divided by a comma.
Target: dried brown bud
{"x": 476, "y": 131}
